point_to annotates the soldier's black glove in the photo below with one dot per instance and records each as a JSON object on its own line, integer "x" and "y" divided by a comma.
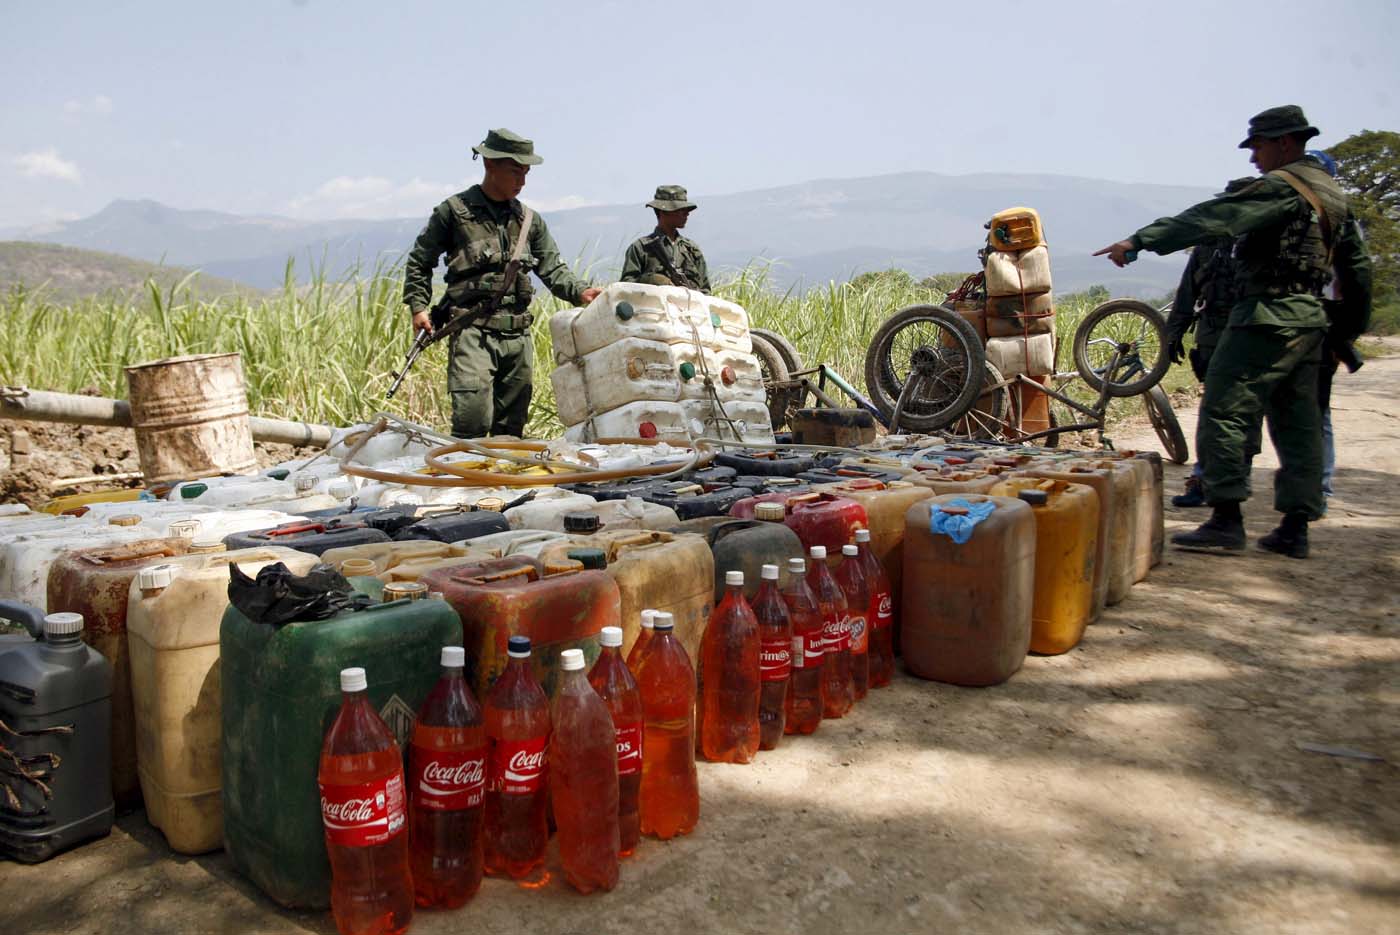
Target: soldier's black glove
{"x": 1176, "y": 350}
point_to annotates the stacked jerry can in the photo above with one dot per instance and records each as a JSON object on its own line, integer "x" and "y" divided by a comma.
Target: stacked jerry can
{"x": 660, "y": 362}
{"x": 1020, "y": 313}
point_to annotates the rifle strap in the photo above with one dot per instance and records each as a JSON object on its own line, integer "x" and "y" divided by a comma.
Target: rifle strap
{"x": 677, "y": 277}
{"x": 1308, "y": 195}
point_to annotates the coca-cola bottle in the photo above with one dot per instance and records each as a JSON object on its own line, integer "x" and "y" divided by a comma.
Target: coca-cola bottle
{"x": 613, "y": 681}
{"x": 447, "y": 774}
{"x": 879, "y": 619}
{"x": 730, "y": 683}
{"x": 670, "y": 797}
{"x": 850, "y": 575}
{"x": 517, "y": 737}
{"x": 639, "y": 645}
{"x": 583, "y": 779}
{"x": 838, "y": 693}
{"x": 365, "y": 817}
{"x": 774, "y": 657}
{"x": 804, "y": 697}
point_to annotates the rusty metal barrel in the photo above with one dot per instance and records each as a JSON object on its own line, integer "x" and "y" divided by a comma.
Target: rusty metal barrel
{"x": 191, "y": 417}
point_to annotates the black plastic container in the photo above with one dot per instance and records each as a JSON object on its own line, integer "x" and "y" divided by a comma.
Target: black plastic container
{"x": 845, "y": 472}
{"x": 56, "y": 700}
{"x": 764, "y": 463}
{"x": 690, "y": 499}
{"x": 314, "y": 538}
{"x": 454, "y": 526}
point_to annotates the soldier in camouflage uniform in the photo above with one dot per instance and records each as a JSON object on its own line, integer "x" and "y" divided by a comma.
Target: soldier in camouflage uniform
{"x": 1267, "y": 360}
{"x": 489, "y": 363}
{"x": 664, "y": 257}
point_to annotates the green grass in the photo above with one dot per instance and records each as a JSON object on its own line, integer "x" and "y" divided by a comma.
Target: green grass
{"x": 326, "y": 352}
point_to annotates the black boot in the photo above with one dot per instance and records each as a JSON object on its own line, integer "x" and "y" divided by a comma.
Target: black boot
{"x": 1194, "y": 496}
{"x": 1224, "y": 530}
{"x": 1289, "y": 538}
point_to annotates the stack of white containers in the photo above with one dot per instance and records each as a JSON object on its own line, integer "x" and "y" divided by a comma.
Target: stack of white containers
{"x": 635, "y": 362}
{"x": 1020, "y": 311}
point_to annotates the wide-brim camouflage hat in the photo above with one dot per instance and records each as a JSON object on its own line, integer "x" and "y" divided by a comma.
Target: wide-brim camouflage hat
{"x": 670, "y": 198}
{"x": 1279, "y": 121}
{"x": 503, "y": 144}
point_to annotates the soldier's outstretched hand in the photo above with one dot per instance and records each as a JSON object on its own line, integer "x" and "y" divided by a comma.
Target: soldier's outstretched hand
{"x": 1121, "y": 253}
{"x": 589, "y": 294}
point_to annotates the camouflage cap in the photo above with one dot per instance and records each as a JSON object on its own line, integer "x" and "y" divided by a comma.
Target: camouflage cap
{"x": 670, "y": 198}
{"x": 503, "y": 144}
{"x": 1279, "y": 121}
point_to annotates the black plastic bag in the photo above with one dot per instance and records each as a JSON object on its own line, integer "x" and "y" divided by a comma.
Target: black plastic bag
{"x": 277, "y": 597}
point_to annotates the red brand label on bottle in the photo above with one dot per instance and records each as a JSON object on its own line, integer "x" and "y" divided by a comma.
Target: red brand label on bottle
{"x": 364, "y": 814}
{"x": 882, "y": 607}
{"x": 836, "y": 634}
{"x": 775, "y": 659}
{"x": 518, "y": 766}
{"x": 858, "y": 632}
{"x": 807, "y": 649}
{"x": 448, "y": 780}
{"x": 629, "y": 749}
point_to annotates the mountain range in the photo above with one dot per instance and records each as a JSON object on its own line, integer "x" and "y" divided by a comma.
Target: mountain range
{"x": 811, "y": 233}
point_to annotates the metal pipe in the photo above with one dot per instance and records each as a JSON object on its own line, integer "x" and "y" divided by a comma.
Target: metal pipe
{"x": 18, "y": 402}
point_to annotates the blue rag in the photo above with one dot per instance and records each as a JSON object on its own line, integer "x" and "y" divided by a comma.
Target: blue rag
{"x": 956, "y": 526}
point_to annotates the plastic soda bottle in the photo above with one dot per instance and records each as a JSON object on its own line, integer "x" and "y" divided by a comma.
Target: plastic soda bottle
{"x": 517, "y": 737}
{"x": 670, "y": 796}
{"x": 634, "y": 656}
{"x": 583, "y": 779}
{"x": 731, "y": 682}
{"x": 879, "y": 619}
{"x": 850, "y": 575}
{"x": 838, "y": 694}
{"x": 365, "y": 817}
{"x": 613, "y": 681}
{"x": 804, "y": 697}
{"x": 447, "y": 776}
{"x": 774, "y": 657}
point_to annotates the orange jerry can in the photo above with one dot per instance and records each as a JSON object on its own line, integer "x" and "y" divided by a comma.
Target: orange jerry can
{"x": 1113, "y": 529}
{"x": 94, "y": 583}
{"x": 1066, "y": 539}
{"x": 967, "y": 604}
{"x": 558, "y": 605}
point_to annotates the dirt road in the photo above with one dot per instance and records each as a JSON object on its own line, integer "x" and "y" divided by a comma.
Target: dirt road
{"x": 1152, "y": 780}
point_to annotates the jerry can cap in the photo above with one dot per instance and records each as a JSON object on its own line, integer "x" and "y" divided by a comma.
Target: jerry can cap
{"x": 734, "y": 578}
{"x": 341, "y": 489}
{"x": 277, "y": 473}
{"x": 610, "y": 636}
{"x": 201, "y": 544}
{"x": 357, "y": 567}
{"x": 63, "y": 624}
{"x": 769, "y": 512}
{"x": 304, "y": 483}
{"x": 193, "y": 490}
{"x": 155, "y": 576}
{"x": 453, "y": 657}
{"x": 589, "y": 558}
{"x": 624, "y": 311}
{"x": 663, "y": 622}
{"x": 687, "y": 370}
{"x": 581, "y": 522}
{"x": 769, "y": 573}
{"x": 184, "y": 528}
{"x": 571, "y": 660}
{"x": 518, "y": 647}
{"x": 1035, "y": 497}
{"x": 353, "y": 680}
{"x": 490, "y": 505}
{"x": 648, "y": 616}
{"x": 405, "y": 590}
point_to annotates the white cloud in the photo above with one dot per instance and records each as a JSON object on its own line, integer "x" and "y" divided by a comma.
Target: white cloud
{"x": 47, "y": 164}
{"x": 373, "y": 196}
{"x": 102, "y": 104}
{"x": 560, "y": 204}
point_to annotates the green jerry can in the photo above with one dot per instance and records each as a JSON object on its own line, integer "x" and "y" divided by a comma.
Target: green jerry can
{"x": 281, "y": 691}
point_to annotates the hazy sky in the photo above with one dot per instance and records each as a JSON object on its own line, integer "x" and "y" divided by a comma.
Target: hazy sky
{"x": 367, "y": 109}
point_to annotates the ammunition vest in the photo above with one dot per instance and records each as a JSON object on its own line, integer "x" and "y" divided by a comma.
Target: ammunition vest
{"x": 1291, "y": 258}
{"x": 1215, "y": 281}
{"x": 481, "y": 250}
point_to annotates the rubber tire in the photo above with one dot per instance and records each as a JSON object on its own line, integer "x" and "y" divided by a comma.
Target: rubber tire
{"x": 879, "y": 348}
{"x": 1164, "y": 422}
{"x": 786, "y": 348}
{"x": 770, "y": 361}
{"x": 1114, "y": 307}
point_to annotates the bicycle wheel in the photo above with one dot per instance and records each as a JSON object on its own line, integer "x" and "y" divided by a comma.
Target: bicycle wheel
{"x": 791, "y": 358}
{"x": 775, "y": 372}
{"x": 991, "y": 413}
{"x": 1133, "y": 330}
{"x": 1164, "y": 423}
{"x": 938, "y": 349}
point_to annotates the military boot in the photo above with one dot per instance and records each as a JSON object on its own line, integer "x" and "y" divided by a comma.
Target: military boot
{"x": 1289, "y": 538}
{"x": 1224, "y": 530}
{"x": 1194, "y": 496}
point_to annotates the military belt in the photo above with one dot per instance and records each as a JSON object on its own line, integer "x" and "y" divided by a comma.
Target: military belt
{"x": 508, "y": 321}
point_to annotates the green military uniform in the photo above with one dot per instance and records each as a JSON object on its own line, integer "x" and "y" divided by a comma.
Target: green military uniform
{"x": 659, "y": 260}
{"x": 1268, "y": 357}
{"x": 489, "y": 365}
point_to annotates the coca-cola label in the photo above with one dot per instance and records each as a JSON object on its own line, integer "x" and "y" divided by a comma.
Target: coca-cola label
{"x": 807, "y": 649}
{"x": 775, "y": 659}
{"x": 881, "y": 610}
{"x": 836, "y": 634}
{"x": 448, "y": 780}
{"x": 858, "y": 633}
{"x": 518, "y": 766}
{"x": 363, "y": 814}
{"x": 629, "y": 748}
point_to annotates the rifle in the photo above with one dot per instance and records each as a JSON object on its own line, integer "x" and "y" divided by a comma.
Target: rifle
{"x": 446, "y": 324}
{"x": 677, "y": 277}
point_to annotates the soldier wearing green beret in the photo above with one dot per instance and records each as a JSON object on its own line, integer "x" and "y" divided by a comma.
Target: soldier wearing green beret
{"x": 490, "y": 364}
{"x": 1292, "y": 230}
{"x": 664, "y": 257}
